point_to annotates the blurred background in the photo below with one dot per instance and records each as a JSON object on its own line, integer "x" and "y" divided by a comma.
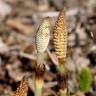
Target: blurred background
{"x": 19, "y": 21}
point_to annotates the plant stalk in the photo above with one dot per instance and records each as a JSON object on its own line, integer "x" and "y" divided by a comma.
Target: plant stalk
{"x": 39, "y": 79}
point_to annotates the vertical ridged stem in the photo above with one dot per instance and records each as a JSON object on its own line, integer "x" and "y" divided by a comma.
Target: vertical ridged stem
{"x": 40, "y": 70}
{"x": 38, "y": 92}
{"x": 63, "y": 92}
{"x": 62, "y": 78}
{"x": 39, "y": 79}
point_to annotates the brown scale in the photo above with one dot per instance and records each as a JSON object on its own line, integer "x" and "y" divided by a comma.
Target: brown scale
{"x": 60, "y": 36}
{"x": 40, "y": 70}
{"x": 62, "y": 83}
{"x": 22, "y": 89}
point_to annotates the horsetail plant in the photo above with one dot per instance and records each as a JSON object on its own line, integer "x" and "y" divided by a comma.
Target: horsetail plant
{"x": 42, "y": 40}
{"x": 22, "y": 89}
{"x": 60, "y": 44}
{"x": 60, "y": 40}
{"x": 85, "y": 80}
